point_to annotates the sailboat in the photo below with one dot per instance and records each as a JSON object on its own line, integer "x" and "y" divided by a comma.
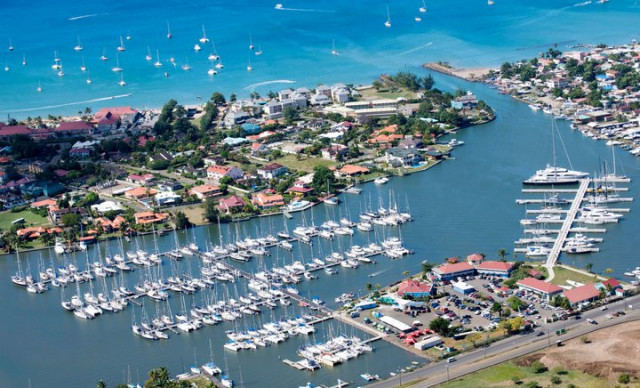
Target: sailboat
{"x": 24, "y": 60}
{"x": 6, "y": 67}
{"x": 10, "y": 45}
{"x": 196, "y": 47}
{"x": 259, "y": 51}
{"x": 211, "y": 70}
{"x": 89, "y": 79}
{"x": 210, "y": 367}
{"x": 83, "y": 68}
{"x": 121, "y": 83}
{"x": 251, "y": 46}
{"x": 117, "y": 68}
{"x": 103, "y": 57}
{"x": 186, "y": 66}
{"x": 194, "y": 368}
{"x": 204, "y": 38}
{"x": 388, "y": 22}
{"x": 121, "y": 47}
{"x": 423, "y": 9}
{"x": 39, "y": 89}
{"x": 490, "y": 2}
{"x": 60, "y": 73}
{"x": 333, "y": 48}
{"x": 249, "y": 67}
{"x": 417, "y": 19}
{"x": 18, "y": 279}
{"x": 148, "y": 57}
{"x": 219, "y": 65}
{"x": 128, "y": 37}
{"x": 157, "y": 62}
{"x": 168, "y": 30}
{"x": 56, "y": 61}
{"x": 78, "y": 47}
{"x": 214, "y": 55}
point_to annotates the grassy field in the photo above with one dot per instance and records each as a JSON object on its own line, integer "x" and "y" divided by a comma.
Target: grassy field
{"x": 372, "y": 93}
{"x": 30, "y": 219}
{"x": 563, "y": 274}
{"x": 506, "y": 373}
{"x": 292, "y": 162}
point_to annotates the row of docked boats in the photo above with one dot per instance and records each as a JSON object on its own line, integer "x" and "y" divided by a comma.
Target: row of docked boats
{"x": 273, "y": 332}
{"x": 335, "y": 351}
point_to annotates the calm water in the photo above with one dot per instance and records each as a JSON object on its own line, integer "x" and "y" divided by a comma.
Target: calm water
{"x": 462, "y": 206}
{"x": 293, "y": 40}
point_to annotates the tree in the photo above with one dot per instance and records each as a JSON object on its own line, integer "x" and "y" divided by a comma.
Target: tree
{"x": 182, "y": 221}
{"x": 503, "y": 254}
{"x": 101, "y": 384}
{"x": 369, "y": 287}
{"x": 624, "y": 378}
{"x": 70, "y": 219}
{"x": 426, "y": 267}
{"x": 440, "y": 326}
{"x": 158, "y": 378}
{"x": 515, "y": 303}
{"x": 428, "y": 82}
{"x": 322, "y": 178}
{"x": 496, "y": 307}
{"x": 218, "y": 98}
{"x": 225, "y": 180}
{"x": 210, "y": 210}
{"x": 290, "y": 114}
{"x": 588, "y": 267}
{"x": 232, "y": 97}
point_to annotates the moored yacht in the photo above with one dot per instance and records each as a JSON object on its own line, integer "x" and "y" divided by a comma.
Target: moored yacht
{"x": 555, "y": 176}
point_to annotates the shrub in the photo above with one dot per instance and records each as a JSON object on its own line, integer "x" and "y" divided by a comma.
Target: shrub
{"x": 624, "y": 378}
{"x": 531, "y": 384}
{"x": 555, "y": 380}
{"x": 538, "y": 367}
{"x": 516, "y": 380}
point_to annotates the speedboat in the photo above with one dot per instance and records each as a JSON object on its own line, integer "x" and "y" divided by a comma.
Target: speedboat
{"x": 381, "y": 180}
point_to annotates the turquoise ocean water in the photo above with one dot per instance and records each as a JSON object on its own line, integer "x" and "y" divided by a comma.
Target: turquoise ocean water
{"x": 296, "y": 43}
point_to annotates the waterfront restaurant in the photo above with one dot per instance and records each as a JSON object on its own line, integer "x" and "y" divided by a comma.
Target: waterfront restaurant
{"x": 452, "y": 271}
{"x": 415, "y": 289}
{"x": 539, "y": 287}
{"x": 495, "y": 268}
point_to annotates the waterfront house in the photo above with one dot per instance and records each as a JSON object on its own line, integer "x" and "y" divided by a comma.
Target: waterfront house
{"x": 610, "y": 286}
{"x": 495, "y": 268}
{"x": 56, "y": 214}
{"x": 324, "y": 90}
{"x": 584, "y": 294}
{"x": 217, "y": 172}
{"x": 165, "y": 198}
{"x": 149, "y": 217}
{"x": 265, "y": 200}
{"x": 452, "y": 271}
{"x": 272, "y": 170}
{"x": 351, "y": 170}
{"x": 300, "y": 189}
{"x": 403, "y": 157}
{"x": 106, "y": 206}
{"x": 231, "y": 204}
{"x": 539, "y": 287}
{"x": 110, "y": 226}
{"x": 411, "y": 143}
{"x": 415, "y": 289}
{"x": 284, "y": 94}
{"x": 108, "y": 119}
{"x": 205, "y": 191}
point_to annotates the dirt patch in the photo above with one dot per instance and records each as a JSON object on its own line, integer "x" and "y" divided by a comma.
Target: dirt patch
{"x": 608, "y": 353}
{"x": 528, "y": 360}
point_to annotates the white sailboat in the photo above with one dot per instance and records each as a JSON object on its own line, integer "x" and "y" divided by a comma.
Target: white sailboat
{"x": 490, "y": 2}
{"x": 24, "y": 60}
{"x": 78, "y": 47}
{"x": 249, "y": 67}
{"x": 104, "y": 57}
{"x": 333, "y": 48}
{"x": 89, "y": 79}
{"x": 10, "y": 45}
{"x": 6, "y": 67}
{"x": 423, "y": 9}
{"x": 251, "y": 46}
{"x": 117, "y": 68}
{"x": 388, "y": 22}
{"x": 196, "y": 47}
{"x": 157, "y": 62}
{"x": 148, "y": 57}
{"x": 211, "y": 70}
{"x": 39, "y": 89}
{"x": 219, "y": 65}
{"x": 122, "y": 83}
{"x": 417, "y": 19}
{"x": 214, "y": 54}
{"x": 56, "y": 61}
{"x": 83, "y": 68}
{"x": 259, "y": 51}
{"x": 121, "y": 47}
{"x": 168, "y": 30}
{"x": 186, "y": 66}
{"x": 204, "y": 38}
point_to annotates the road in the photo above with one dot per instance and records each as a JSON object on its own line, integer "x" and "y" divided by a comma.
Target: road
{"x": 513, "y": 347}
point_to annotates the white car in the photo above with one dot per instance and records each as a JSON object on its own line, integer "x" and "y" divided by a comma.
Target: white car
{"x": 604, "y": 308}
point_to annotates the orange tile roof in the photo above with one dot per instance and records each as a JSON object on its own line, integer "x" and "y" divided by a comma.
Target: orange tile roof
{"x": 351, "y": 169}
{"x": 139, "y": 192}
{"x": 44, "y": 202}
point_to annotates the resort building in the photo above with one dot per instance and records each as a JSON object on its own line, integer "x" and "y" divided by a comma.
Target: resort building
{"x": 495, "y": 268}
{"x": 452, "y": 271}
{"x": 165, "y": 198}
{"x": 582, "y": 294}
{"x": 415, "y": 289}
{"x": 539, "y": 287}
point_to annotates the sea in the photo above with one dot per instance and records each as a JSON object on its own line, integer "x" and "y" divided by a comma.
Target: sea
{"x": 295, "y": 40}
{"x": 462, "y": 206}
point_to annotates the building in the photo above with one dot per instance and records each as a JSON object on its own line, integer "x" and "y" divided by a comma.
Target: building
{"x": 73, "y": 128}
{"x": 79, "y": 153}
{"x": 495, "y": 268}
{"x": 415, "y": 289}
{"x": 362, "y": 110}
{"x": 396, "y": 324}
{"x": 106, "y": 206}
{"x": 452, "y": 271}
{"x": 150, "y": 217}
{"x": 335, "y": 152}
{"x": 300, "y": 189}
{"x": 217, "y": 172}
{"x": 231, "y": 204}
{"x": 258, "y": 149}
{"x": 272, "y": 170}
{"x": 543, "y": 289}
{"x": 235, "y": 118}
{"x": 110, "y": 226}
{"x": 428, "y": 342}
{"x": 56, "y": 215}
{"x": 165, "y": 198}
{"x": 468, "y": 101}
{"x": 143, "y": 180}
{"x": 403, "y": 157}
{"x": 352, "y": 170}
{"x": 463, "y": 288}
{"x": 112, "y": 118}
{"x": 205, "y": 191}
{"x": 267, "y": 201}
{"x": 475, "y": 258}
{"x": 319, "y": 99}
{"x": 582, "y": 294}
{"x": 140, "y": 192}
{"x": 609, "y": 286}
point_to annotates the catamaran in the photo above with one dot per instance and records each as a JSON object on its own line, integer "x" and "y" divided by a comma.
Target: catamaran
{"x": 117, "y": 68}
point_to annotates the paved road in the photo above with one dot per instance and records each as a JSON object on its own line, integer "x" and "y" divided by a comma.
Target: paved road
{"x": 512, "y": 347}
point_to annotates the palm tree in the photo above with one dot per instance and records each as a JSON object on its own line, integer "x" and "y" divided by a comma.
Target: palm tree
{"x": 369, "y": 287}
{"x": 405, "y": 273}
{"x": 588, "y": 267}
{"x": 503, "y": 254}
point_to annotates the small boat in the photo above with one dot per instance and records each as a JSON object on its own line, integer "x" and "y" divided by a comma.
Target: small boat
{"x": 369, "y": 376}
{"x": 251, "y": 46}
{"x": 490, "y": 2}
{"x": 121, "y": 47}
{"x": 381, "y": 180}
{"x": 157, "y": 63}
{"x": 104, "y": 57}
{"x": 423, "y": 9}
{"x": 39, "y": 89}
{"x": 121, "y": 83}
{"x": 196, "y": 47}
{"x": 353, "y": 190}
{"x": 333, "y": 48}
{"x": 78, "y": 47}
{"x": 168, "y": 31}
{"x": 278, "y": 6}
{"x": 332, "y": 201}
{"x": 388, "y": 22}
{"x": 417, "y": 19}
{"x": 249, "y": 67}
{"x": 204, "y": 38}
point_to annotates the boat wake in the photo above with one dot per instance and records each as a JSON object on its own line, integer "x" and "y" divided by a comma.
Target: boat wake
{"x": 306, "y": 10}
{"x": 415, "y": 49}
{"x": 72, "y": 103}
{"x": 86, "y": 16}
{"x": 582, "y": 4}
{"x": 278, "y": 81}
{"x": 371, "y": 275}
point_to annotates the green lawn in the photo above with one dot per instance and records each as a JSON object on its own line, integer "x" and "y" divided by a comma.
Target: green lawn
{"x": 373, "y": 93}
{"x": 307, "y": 164}
{"x": 30, "y": 219}
{"x": 502, "y": 375}
{"x": 563, "y": 274}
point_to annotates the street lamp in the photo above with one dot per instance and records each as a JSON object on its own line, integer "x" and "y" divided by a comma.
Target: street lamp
{"x": 447, "y": 364}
